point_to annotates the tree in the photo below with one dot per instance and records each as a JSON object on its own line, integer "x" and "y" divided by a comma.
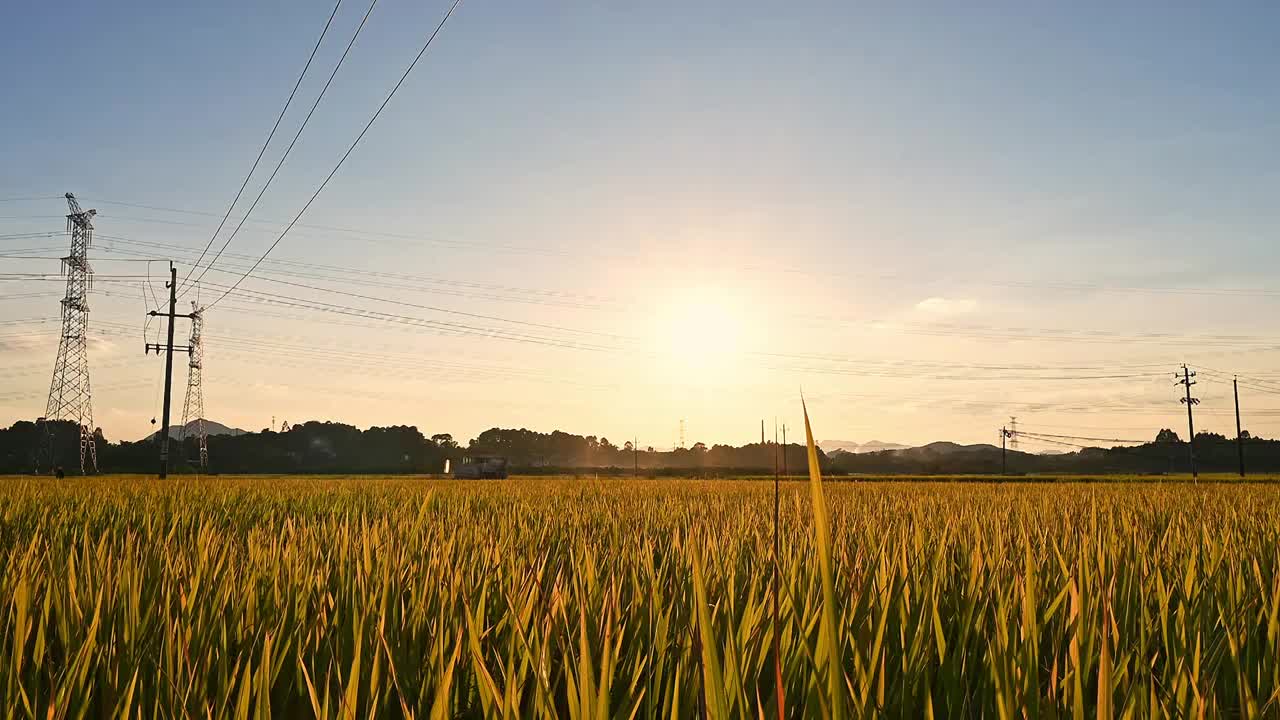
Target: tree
{"x": 628, "y": 446}
{"x": 699, "y": 447}
{"x": 1167, "y": 436}
{"x": 444, "y": 440}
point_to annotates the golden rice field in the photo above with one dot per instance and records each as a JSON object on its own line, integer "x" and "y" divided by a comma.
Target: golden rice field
{"x": 381, "y": 597}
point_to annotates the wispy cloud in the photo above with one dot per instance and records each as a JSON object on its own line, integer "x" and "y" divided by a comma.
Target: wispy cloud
{"x": 947, "y": 306}
{"x": 100, "y": 347}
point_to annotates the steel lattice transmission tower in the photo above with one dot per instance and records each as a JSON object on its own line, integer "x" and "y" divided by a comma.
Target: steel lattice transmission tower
{"x": 69, "y": 394}
{"x": 194, "y": 404}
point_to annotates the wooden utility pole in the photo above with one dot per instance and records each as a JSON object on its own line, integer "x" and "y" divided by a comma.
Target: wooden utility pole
{"x": 168, "y": 349}
{"x": 1235, "y": 390}
{"x": 1186, "y": 381}
{"x": 1004, "y": 464}
{"x": 784, "y": 450}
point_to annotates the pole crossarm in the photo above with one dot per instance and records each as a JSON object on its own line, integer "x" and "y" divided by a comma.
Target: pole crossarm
{"x": 158, "y": 348}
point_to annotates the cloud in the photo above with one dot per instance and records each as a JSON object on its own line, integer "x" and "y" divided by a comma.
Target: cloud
{"x": 947, "y": 306}
{"x": 99, "y": 347}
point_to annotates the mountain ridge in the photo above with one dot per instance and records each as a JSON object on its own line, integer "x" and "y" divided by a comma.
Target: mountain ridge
{"x": 211, "y": 427}
{"x": 851, "y": 446}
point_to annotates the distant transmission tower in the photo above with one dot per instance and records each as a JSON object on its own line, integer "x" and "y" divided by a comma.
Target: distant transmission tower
{"x": 69, "y": 394}
{"x": 195, "y": 390}
{"x": 681, "y": 445}
{"x": 1013, "y": 432}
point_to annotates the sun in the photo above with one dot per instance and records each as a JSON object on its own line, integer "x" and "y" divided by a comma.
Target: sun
{"x": 701, "y": 332}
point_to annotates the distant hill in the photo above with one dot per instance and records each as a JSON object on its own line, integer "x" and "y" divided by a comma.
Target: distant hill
{"x": 1214, "y": 453}
{"x": 936, "y": 457}
{"x": 944, "y": 447}
{"x": 850, "y": 446}
{"x": 877, "y": 446}
{"x": 211, "y": 427}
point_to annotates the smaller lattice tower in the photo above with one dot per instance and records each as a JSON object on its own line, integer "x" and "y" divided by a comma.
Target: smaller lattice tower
{"x": 193, "y": 408}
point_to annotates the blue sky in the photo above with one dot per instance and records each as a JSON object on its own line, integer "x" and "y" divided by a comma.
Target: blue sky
{"x": 911, "y": 171}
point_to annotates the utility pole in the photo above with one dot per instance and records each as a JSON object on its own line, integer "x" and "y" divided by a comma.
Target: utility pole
{"x": 635, "y": 456}
{"x": 1004, "y": 465}
{"x": 784, "y": 450}
{"x": 168, "y": 349}
{"x": 1186, "y": 381}
{"x": 1235, "y": 390}
{"x": 69, "y": 394}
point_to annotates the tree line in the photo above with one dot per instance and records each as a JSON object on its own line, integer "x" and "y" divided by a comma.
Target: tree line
{"x": 328, "y": 447}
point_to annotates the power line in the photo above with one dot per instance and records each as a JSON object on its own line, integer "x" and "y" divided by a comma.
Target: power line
{"x": 950, "y": 365}
{"x": 432, "y": 308}
{"x": 397, "y": 364}
{"x": 345, "y": 155}
{"x": 1064, "y": 335}
{"x": 20, "y": 321}
{"x": 48, "y": 277}
{"x": 270, "y": 135}
{"x": 44, "y": 249}
{"x": 889, "y": 374}
{"x": 47, "y": 257}
{"x": 1270, "y": 390}
{"x": 25, "y": 296}
{"x": 888, "y": 276}
{"x": 371, "y": 364}
{"x": 1256, "y": 382}
{"x": 364, "y": 233}
{"x": 447, "y": 327}
{"x": 1024, "y": 433}
{"x": 30, "y": 235}
{"x": 374, "y": 278}
{"x": 293, "y": 142}
{"x": 1054, "y": 442}
{"x": 1057, "y": 427}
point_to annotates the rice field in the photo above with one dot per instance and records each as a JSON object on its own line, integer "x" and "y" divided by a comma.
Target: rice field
{"x": 403, "y": 597}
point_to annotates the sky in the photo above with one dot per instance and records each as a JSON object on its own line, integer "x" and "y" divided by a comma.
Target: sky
{"x": 607, "y": 218}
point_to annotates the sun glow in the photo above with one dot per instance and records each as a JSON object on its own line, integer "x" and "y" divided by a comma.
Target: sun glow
{"x": 702, "y": 333}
